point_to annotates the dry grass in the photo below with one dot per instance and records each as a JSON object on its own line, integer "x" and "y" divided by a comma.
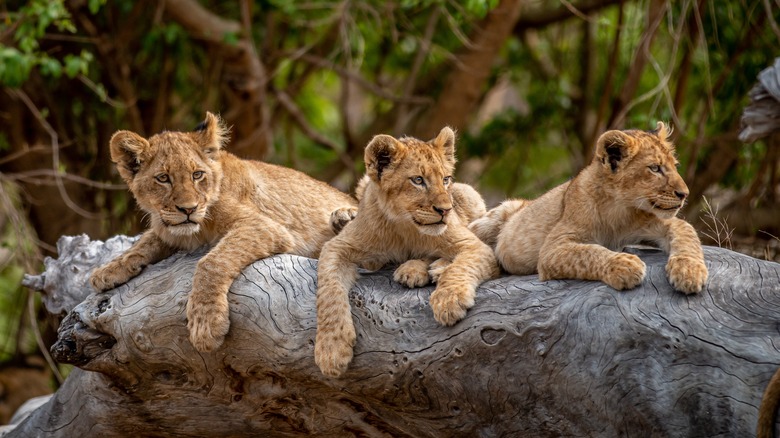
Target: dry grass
{"x": 718, "y": 229}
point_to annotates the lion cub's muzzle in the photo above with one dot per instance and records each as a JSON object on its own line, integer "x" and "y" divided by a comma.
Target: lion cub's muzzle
{"x": 434, "y": 216}
{"x": 432, "y": 221}
{"x": 185, "y": 219}
{"x": 669, "y": 203}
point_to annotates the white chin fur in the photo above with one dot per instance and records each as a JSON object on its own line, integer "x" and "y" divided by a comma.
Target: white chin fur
{"x": 184, "y": 229}
{"x": 432, "y": 230}
{"x": 665, "y": 214}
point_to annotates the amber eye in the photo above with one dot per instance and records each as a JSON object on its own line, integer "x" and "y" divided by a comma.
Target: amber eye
{"x": 197, "y": 175}
{"x": 655, "y": 168}
{"x": 447, "y": 180}
{"x": 418, "y": 181}
{"x": 163, "y": 178}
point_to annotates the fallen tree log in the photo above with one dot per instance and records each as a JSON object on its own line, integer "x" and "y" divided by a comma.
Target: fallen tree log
{"x": 533, "y": 358}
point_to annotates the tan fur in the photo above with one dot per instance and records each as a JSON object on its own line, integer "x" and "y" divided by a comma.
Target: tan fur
{"x": 401, "y": 221}
{"x": 621, "y": 198}
{"x": 768, "y": 409}
{"x": 195, "y": 193}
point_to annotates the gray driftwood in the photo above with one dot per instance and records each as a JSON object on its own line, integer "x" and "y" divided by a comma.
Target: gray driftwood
{"x": 532, "y": 358}
{"x": 761, "y": 117}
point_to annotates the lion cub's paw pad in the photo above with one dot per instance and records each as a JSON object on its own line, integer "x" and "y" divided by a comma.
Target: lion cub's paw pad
{"x": 437, "y": 268}
{"x": 412, "y": 273}
{"x": 208, "y": 326}
{"x": 333, "y": 352}
{"x": 686, "y": 274}
{"x": 625, "y": 271}
{"x": 449, "y": 306}
{"x": 340, "y": 217}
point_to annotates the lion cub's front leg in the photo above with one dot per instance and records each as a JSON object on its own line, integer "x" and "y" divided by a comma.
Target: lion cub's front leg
{"x": 563, "y": 258}
{"x": 149, "y": 249}
{"x": 457, "y": 283}
{"x": 208, "y": 313}
{"x": 686, "y": 269}
{"x": 335, "y": 330}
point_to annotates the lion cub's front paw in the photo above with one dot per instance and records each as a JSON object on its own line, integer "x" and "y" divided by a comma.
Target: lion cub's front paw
{"x": 208, "y": 320}
{"x": 450, "y": 304}
{"x": 111, "y": 275}
{"x": 412, "y": 273}
{"x": 340, "y": 217}
{"x": 437, "y": 268}
{"x": 624, "y": 271}
{"x": 686, "y": 274}
{"x": 333, "y": 349}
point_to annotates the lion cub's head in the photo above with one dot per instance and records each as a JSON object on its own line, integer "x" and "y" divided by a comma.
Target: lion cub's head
{"x": 414, "y": 179}
{"x": 174, "y": 176}
{"x": 640, "y": 169}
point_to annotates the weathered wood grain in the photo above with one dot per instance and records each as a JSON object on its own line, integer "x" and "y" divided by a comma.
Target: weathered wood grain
{"x": 531, "y": 358}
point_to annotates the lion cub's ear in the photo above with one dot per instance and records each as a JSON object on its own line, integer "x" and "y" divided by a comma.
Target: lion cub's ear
{"x": 663, "y": 131}
{"x": 446, "y": 140}
{"x": 213, "y": 134}
{"x": 382, "y": 153}
{"x": 128, "y": 151}
{"x": 613, "y": 148}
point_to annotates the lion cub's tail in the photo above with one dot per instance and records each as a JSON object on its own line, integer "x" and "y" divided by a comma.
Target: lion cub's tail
{"x": 768, "y": 409}
{"x": 488, "y": 226}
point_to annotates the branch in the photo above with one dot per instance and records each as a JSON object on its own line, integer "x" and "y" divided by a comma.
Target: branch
{"x": 33, "y": 176}
{"x": 544, "y": 17}
{"x": 248, "y": 77}
{"x": 647, "y": 360}
{"x": 656, "y": 11}
{"x": 463, "y": 86}
{"x": 200, "y": 22}
{"x": 55, "y": 148}
{"x": 362, "y": 82}
{"x": 297, "y": 115}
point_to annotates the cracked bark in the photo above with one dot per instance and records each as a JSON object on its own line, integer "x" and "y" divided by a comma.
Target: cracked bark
{"x": 556, "y": 358}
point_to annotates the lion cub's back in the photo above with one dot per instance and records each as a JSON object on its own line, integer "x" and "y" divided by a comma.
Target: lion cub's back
{"x": 521, "y": 238}
{"x": 299, "y": 202}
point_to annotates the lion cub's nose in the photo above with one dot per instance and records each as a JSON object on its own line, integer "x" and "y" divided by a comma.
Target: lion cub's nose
{"x": 442, "y": 211}
{"x": 186, "y": 210}
{"x": 681, "y": 194}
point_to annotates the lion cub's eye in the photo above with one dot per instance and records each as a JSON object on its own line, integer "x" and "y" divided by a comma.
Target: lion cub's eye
{"x": 197, "y": 175}
{"x": 447, "y": 180}
{"x": 655, "y": 168}
{"x": 163, "y": 178}
{"x": 418, "y": 181}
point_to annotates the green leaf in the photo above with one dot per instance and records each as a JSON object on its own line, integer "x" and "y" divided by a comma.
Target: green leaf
{"x": 73, "y": 65}
{"x": 50, "y": 67}
{"x": 94, "y": 6}
{"x": 15, "y": 66}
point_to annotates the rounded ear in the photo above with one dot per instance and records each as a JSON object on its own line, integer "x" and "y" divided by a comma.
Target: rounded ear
{"x": 128, "y": 151}
{"x": 663, "y": 131}
{"x": 446, "y": 140}
{"x": 213, "y": 134}
{"x": 613, "y": 148}
{"x": 381, "y": 153}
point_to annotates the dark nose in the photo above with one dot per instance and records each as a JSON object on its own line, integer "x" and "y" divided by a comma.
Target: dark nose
{"x": 186, "y": 210}
{"x": 680, "y": 194}
{"x": 442, "y": 211}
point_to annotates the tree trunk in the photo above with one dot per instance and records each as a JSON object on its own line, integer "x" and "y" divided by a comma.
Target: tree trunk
{"x": 531, "y": 358}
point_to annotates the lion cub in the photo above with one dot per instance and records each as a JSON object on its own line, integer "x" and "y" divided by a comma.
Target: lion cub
{"x": 195, "y": 193}
{"x": 629, "y": 194}
{"x": 405, "y": 216}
